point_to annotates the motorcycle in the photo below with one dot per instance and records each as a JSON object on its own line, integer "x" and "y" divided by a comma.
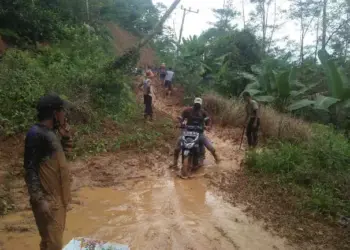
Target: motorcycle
{"x": 191, "y": 152}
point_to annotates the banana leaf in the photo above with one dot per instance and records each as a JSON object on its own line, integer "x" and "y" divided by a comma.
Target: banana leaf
{"x": 300, "y": 104}
{"x": 256, "y": 69}
{"x": 325, "y": 102}
{"x": 335, "y": 81}
{"x": 283, "y": 86}
{"x": 253, "y": 92}
{"x": 254, "y": 85}
{"x": 264, "y": 99}
{"x": 292, "y": 78}
{"x": 248, "y": 76}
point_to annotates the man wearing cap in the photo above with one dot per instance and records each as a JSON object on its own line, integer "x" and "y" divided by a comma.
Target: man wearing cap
{"x": 196, "y": 116}
{"x": 46, "y": 170}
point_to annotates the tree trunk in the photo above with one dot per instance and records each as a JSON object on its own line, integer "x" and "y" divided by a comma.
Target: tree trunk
{"x": 243, "y": 14}
{"x": 262, "y": 5}
{"x": 302, "y": 50}
{"x": 302, "y": 28}
{"x": 317, "y": 38}
{"x": 273, "y": 27}
{"x": 324, "y": 24}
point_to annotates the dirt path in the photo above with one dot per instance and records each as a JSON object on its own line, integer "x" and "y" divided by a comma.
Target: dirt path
{"x": 136, "y": 200}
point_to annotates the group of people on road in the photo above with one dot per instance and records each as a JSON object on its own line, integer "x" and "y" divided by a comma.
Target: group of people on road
{"x": 46, "y": 172}
{"x": 166, "y": 77}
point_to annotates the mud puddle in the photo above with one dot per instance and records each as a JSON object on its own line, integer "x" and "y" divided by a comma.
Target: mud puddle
{"x": 153, "y": 214}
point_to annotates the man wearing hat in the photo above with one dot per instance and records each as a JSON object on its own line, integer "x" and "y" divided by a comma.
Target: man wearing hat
{"x": 46, "y": 170}
{"x": 196, "y": 116}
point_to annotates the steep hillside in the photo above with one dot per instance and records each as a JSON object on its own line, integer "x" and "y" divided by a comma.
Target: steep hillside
{"x": 123, "y": 40}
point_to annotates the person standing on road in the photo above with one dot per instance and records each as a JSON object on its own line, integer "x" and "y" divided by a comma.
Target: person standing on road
{"x": 169, "y": 81}
{"x": 162, "y": 72}
{"x": 148, "y": 94}
{"x": 252, "y": 120}
{"x": 46, "y": 170}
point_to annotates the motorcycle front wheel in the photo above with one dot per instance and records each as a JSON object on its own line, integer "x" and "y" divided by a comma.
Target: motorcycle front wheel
{"x": 186, "y": 166}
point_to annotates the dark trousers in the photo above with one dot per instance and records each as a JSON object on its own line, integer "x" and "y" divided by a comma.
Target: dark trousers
{"x": 51, "y": 229}
{"x": 252, "y": 132}
{"x": 147, "y": 99}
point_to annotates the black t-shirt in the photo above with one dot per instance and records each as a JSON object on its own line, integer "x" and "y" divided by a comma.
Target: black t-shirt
{"x": 195, "y": 118}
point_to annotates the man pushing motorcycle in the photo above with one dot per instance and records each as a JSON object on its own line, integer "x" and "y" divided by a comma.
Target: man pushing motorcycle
{"x": 196, "y": 116}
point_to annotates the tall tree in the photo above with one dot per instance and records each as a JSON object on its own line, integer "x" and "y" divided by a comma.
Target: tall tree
{"x": 305, "y": 12}
{"x": 224, "y": 19}
{"x": 262, "y": 23}
{"x": 335, "y": 18}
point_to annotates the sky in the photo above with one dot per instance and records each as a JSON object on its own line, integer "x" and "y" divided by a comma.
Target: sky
{"x": 196, "y": 23}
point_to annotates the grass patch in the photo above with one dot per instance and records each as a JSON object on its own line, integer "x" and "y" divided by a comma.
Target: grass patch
{"x": 130, "y": 132}
{"x": 318, "y": 170}
{"x": 146, "y": 135}
{"x": 274, "y": 125}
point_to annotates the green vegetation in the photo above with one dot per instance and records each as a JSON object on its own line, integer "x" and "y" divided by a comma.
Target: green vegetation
{"x": 72, "y": 68}
{"x": 318, "y": 170}
{"x": 65, "y": 47}
{"x": 229, "y": 60}
{"x": 69, "y": 51}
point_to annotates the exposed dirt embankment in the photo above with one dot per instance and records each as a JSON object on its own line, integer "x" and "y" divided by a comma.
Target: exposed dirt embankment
{"x": 123, "y": 40}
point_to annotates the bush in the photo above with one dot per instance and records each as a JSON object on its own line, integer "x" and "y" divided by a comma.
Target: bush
{"x": 74, "y": 68}
{"x": 319, "y": 169}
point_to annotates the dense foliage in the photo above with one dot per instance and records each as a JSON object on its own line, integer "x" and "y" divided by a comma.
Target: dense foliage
{"x": 317, "y": 169}
{"x": 29, "y": 21}
{"x": 73, "y": 68}
{"x": 69, "y": 51}
{"x": 311, "y": 82}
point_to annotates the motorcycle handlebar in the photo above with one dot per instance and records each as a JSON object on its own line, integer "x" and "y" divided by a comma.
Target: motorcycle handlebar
{"x": 182, "y": 126}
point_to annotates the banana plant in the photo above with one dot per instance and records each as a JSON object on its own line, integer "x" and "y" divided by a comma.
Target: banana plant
{"x": 278, "y": 87}
{"x": 338, "y": 86}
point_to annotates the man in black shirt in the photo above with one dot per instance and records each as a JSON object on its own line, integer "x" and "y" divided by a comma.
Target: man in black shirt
{"x": 46, "y": 171}
{"x": 196, "y": 116}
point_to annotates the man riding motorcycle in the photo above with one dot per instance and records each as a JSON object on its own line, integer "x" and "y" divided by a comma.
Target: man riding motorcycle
{"x": 196, "y": 116}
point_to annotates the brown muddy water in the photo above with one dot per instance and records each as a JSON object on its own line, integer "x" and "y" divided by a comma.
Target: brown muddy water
{"x": 166, "y": 213}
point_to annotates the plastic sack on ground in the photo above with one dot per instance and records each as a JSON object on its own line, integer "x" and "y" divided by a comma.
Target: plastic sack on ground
{"x": 91, "y": 244}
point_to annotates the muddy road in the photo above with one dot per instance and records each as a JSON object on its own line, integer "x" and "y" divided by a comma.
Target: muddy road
{"x": 136, "y": 199}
